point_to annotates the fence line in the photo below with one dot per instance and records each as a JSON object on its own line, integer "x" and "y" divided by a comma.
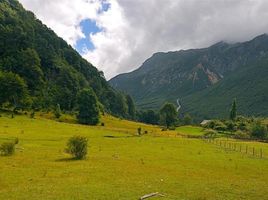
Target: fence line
{"x": 234, "y": 146}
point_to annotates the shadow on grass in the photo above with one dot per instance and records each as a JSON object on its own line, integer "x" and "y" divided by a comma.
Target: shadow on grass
{"x": 67, "y": 160}
{"x": 116, "y": 137}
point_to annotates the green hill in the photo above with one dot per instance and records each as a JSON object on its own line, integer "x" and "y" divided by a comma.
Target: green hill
{"x": 206, "y": 80}
{"x": 53, "y": 71}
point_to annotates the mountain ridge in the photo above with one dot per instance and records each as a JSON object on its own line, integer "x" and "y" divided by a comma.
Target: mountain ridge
{"x": 167, "y": 76}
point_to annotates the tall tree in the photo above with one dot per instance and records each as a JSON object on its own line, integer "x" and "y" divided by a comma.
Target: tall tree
{"x": 131, "y": 107}
{"x": 13, "y": 89}
{"x": 168, "y": 115}
{"x": 233, "y": 112}
{"x": 88, "y": 107}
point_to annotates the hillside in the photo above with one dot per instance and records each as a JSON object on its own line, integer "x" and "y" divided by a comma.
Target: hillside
{"x": 180, "y": 74}
{"x": 123, "y": 166}
{"x": 52, "y": 70}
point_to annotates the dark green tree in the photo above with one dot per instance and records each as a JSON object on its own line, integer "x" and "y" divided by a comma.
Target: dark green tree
{"x": 131, "y": 107}
{"x": 168, "y": 115}
{"x": 88, "y": 107}
{"x": 57, "y": 111}
{"x": 233, "y": 112}
{"x": 148, "y": 117}
{"x": 13, "y": 90}
{"x": 187, "y": 119}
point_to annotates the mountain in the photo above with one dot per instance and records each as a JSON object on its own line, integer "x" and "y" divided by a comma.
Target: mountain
{"x": 52, "y": 70}
{"x": 206, "y": 80}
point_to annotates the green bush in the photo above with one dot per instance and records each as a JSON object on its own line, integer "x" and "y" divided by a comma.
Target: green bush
{"x": 210, "y": 134}
{"x": 7, "y": 148}
{"x": 241, "y": 135}
{"x": 259, "y": 130}
{"x": 57, "y": 111}
{"x": 77, "y": 147}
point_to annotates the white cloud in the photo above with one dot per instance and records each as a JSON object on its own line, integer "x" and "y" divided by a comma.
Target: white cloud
{"x": 135, "y": 29}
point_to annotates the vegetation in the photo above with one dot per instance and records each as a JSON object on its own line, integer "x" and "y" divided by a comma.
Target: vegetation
{"x": 233, "y": 111}
{"x": 38, "y": 66}
{"x": 88, "y": 107}
{"x": 57, "y": 111}
{"x": 12, "y": 89}
{"x": 148, "y": 117}
{"x": 205, "y": 80}
{"x": 168, "y": 115}
{"x": 259, "y": 130}
{"x": 242, "y": 128}
{"x": 123, "y": 166}
{"x": 187, "y": 119}
{"x": 77, "y": 146}
{"x": 7, "y": 148}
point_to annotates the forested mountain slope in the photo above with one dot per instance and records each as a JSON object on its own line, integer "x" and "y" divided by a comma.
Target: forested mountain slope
{"x": 52, "y": 70}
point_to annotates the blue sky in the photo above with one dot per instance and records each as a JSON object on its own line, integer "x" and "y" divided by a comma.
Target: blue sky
{"x": 88, "y": 27}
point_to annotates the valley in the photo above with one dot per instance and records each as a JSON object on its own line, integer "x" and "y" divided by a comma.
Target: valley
{"x": 122, "y": 165}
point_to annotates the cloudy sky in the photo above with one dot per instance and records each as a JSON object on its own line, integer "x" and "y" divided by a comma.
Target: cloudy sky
{"x": 119, "y": 35}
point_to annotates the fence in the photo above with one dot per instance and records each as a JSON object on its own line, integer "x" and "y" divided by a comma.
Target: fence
{"x": 238, "y": 147}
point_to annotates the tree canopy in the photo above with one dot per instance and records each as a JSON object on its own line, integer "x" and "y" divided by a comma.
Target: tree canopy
{"x": 88, "y": 107}
{"x": 168, "y": 115}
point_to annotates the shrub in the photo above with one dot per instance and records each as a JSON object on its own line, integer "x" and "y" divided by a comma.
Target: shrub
{"x": 259, "y": 130}
{"x": 7, "y": 148}
{"x": 102, "y": 124}
{"x": 77, "y": 146}
{"x": 241, "y": 135}
{"x": 57, "y": 111}
{"x": 210, "y": 134}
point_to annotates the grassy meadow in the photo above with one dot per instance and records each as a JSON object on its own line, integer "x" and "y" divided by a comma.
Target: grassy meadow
{"x": 121, "y": 165}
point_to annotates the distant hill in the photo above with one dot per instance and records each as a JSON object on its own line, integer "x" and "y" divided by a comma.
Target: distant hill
{"x": 206, "y": 80}
{"x": 53, "y": 71}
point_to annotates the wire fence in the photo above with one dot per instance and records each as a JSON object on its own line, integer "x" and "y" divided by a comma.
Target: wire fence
{"x": 237, "y": 147}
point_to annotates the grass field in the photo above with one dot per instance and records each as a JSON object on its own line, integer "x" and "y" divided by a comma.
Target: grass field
{"x": 123, "y": 166}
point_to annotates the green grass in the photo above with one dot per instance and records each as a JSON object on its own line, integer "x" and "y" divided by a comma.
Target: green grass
{"x": 123, "y": 166}
{"x": 190, "y": 130}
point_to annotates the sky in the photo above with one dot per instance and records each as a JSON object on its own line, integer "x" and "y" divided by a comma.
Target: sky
{"x": 117, "y": 36}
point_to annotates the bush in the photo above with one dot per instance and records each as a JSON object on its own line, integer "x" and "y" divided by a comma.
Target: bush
{"x": 77, "y": 146}
{"x": 102, "y": 124}
{"x": 7, "y": 148}
{"x": 241, "y": 135}
{"x": 210, "y": 134}
{"x": 259, "y": 130}
{"x": 57, "y": 111}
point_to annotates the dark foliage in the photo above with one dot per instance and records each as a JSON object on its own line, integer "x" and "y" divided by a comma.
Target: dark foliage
{"x": 50, "y": 70}
{"x": 77, "y": 146}
{"x": 88, "y": 107}
{"x": 168, "y": 115}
